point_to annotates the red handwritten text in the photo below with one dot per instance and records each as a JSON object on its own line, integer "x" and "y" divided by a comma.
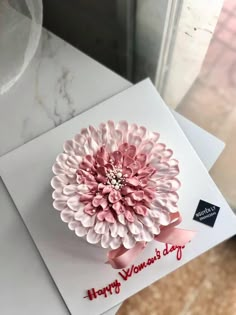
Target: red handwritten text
{"x": 112, "y": 287}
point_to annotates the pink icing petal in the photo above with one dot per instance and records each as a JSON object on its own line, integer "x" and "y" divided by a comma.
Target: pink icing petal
{"x": 88, "y": 220}
{"x": 114, "y": 196}
{"x": 107, "y": 189}
{"x": 101, "y": 227}
{"x": 131, "y": 151}
{"x": 137, "y": 195}
{"x": 140, "y": 209}
{"x": 136, "y": 227}
{"x": 67, "y": 215}
{"x": 129, "y": 201}
{"x": 80, "y": 139}
{"x": 123, "y": 147}
{"x": 109, "y": 217}
{"x": 101, "y": 215}
{"x": 127, "y": 172}
{"x": 97, "y": 200}
{"x": 89, "y": 209}
{"x": 132, "y": 181}
{"x": 129, "y": 216}
{"x": 116, "y": 157}
{"x": 58, "y": 182}
{"x": 105, "y": 240}
{"x": 60, "y": 204}
{"x": 141, "y": 158}
{"x": 127, "y": 161}
{"x": 73, "y": 203}
{"x": 116, "y": 242}
{"x": 81, "y": 231}
{"x": 92, "y": 237}
{"x": 126, "y": 190}
{"x": 101, "y": 170}
{"x": 118, "y": 207}
{"x": 129, "y": 241}
{"x": 114, "y": 229}
{"x": 86, "y": 197}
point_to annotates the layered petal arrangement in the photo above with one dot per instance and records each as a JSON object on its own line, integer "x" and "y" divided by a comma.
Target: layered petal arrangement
{"x": 116, "y": 185}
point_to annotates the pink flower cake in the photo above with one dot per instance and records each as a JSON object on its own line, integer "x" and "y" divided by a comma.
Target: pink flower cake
{"x": 116, "y": 185}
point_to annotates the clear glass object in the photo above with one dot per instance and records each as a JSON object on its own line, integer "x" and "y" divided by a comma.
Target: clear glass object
{"x": 20, "y": 30}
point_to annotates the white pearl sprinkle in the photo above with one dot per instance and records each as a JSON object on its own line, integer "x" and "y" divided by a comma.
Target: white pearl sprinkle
{"x": 117, "y": 187}
{"x": 119, "y": 175}
{"x": 113, "y": 181}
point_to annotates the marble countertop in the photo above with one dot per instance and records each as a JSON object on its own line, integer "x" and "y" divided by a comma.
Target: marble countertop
{"x": 54, "y": 88}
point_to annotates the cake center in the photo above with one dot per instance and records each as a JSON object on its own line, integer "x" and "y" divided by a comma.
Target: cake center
{"x": 115, "y": 178}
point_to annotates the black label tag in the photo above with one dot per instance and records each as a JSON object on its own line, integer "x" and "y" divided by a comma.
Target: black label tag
{"x": 206, "y": 213}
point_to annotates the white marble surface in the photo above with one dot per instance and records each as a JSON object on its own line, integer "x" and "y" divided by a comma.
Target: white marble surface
{"x": 53, "y": 89}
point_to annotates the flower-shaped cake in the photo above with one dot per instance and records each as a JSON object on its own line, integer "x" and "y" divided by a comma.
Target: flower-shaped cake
{"x": 116, "y": 184}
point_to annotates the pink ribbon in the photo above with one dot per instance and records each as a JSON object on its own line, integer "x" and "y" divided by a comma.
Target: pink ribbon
{"x": 122, "y": 257}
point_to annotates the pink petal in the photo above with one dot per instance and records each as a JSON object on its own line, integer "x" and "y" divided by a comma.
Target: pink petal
{"x": 147, "y": 147}
{"x": 137, "y": 195}
{"x": 74, "y": 203}
{"x": 116, "y": 157}
{"x": 92, "y": 237}
{"x": 122, "y": 230}
{"x": 131, "y": 151}
{"x": 135, "y": 227}
{"x": 89, "y": 209}
{"x": 135, "y": 166}
{"x": 129, "y": 216}
{"x": 141, "y": 131}
{"x": 73, "y": 225}
{"x": 101, "y": 215}
{"x": 154, "y": 136}
{"x": 101, "y": 227}
{"x": 86, "y": 197}
{"x": 141, "y": 210}
{"x": 70, "y": 189}
{"x": 67, "y": 215}
{"x": 114, "y": 229}
{"x": 97, "y": 200}
{"x": 121, "y": 219}
{"x": 147, "y": 221}
{"x": 88, "y": 220}
{"x": 58, "y": 182}
{"x": 132, "y": 181}
{"x": 107, "y": 189}
{"x": 126, "y": 190}
{"x": 127, "y": 161}
{"x": 129, "y": 201}
{"x": 81, "y": 231}
{"x": 114, "y": 196}
{"x": 101, "y": 170}
{"x": 164, "y": 218}
{"x": 129, "y": 241}
{"x": 118, "y": 207}
{"x": 59, "y": 204}
{"x": 123, "y": 147}
{"x": 105, "y": 240}
{"x": 115, "y": 243}
{"x": 135, "y": 140}
{"x": 109, "y": 217}
{"x": 123, "y": 127}
{"x": 80, "y": 139}
{"x": 141, "y": 158}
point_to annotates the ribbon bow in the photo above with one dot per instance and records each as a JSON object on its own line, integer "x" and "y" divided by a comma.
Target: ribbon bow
{"x": 122, "y": 257}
